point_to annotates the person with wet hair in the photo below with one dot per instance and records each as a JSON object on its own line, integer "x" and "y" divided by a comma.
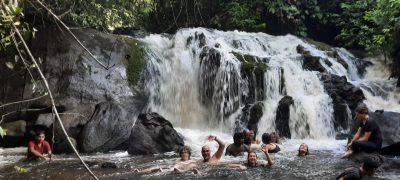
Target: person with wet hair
{"x": 185, "y": 153}
{"x": 303, "y": 149}
{"x": 238, "y": 147}
{"x": 252, "y": 160}
{"x": 276, "y": 138}
{"x": 206, "y": 152}
{"x": 271, "y": 146}
{"x": 185, "y": 164}
{"x": 368, "y": 166}
{"x": 250, "y": 138}
{"x": 39, "y": 149}
{"x": 368, "y": 137}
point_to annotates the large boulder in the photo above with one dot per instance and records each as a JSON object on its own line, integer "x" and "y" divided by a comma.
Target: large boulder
{"x": 282, "y": 116}
{"x": 389, "y": 123}
{"x": 108, "y": 128}
{"x": 15, "y": 132}
{"x": 77, "y": 81}
{"x": 153, "y": 134}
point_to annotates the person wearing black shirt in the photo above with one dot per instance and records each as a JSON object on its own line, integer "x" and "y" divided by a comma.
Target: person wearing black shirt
{"x": 368, "y": 137}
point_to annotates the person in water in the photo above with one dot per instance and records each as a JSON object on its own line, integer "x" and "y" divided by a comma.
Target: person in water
{"x": 185, "y": 164}
{"x": 238, "y": 147}
{"x": 250, "y": 138}
{"x": 368, "y": 137}
{"x": 252, "y": 160}
{"x": 39, "y": 148}
{"x": 367, "y": 168}
{"x": 206, "y": 152}
{"x": 182, "y": 165}
{"x": 269, "y": 144}
{"x": 303, "y": 149}
{"x": 276, "y": 138}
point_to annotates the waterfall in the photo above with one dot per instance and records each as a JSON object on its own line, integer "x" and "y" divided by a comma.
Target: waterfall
{"x": 202, "y": 79}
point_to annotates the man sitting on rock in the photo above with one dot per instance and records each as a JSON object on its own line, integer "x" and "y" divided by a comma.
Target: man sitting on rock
{"x": 38, "y": 148}
{"x": 206, "y": 153}
{"x": 238, "y": 146}
{"x": 368, "y": 137}
{"x": 367, "y": 168}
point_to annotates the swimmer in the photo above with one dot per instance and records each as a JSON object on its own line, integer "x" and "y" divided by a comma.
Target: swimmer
{"x": 269, "y": 144}
{"x": 303, "y": 149}
{"x": 238, "y": 147}
{"x": 250, "y": 138}
{"x": 252, "y": 161}
{"x": 206, "y": 152}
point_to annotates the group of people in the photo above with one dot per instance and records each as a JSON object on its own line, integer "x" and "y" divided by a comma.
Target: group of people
{"x": 368, "y": 138}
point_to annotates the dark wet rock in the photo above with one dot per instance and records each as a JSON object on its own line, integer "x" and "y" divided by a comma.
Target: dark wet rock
{"x": 108, "y": 128}
{"x": 64, "y": 147}
{"x": 73, "y": 124}
{"x": 310, "y": 62}
{"x": 360, "y": 157}
{"x": 252, "y": 69}
{"x": 201, "y": 38}
{"x": 389, "y": 124}
{"x": 342, "y": 118}
{"x": 16, "y": 128}
{"x": 341, "y": 92}
{"x": 153, "y": 134}
{"x": 249, "y": 117}
{"x": 391, "y": 150}
{"x": 77, "y": 81}
{"x": 109, "y": 165}
{"x": 210, "y": 60}
{"x": 282, "y": 116}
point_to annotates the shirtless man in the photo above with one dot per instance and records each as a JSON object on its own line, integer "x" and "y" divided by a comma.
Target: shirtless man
{"x": 206, "y": 153}
{"x": 237, "y": 148}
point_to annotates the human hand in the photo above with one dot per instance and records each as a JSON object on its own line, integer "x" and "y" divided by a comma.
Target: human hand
{"x": 264, "y": 149}
{"x": 136, "y": 171}
{"x": 211, "y": 138}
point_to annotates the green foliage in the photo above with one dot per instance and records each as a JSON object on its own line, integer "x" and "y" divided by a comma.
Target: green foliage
{"x": 3, "y": 132}
{"x": 20, "y": 169}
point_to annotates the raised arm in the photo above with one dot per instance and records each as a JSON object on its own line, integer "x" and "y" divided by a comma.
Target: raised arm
{"x": 265, "y": 150}
{"x": 221, "y": 147}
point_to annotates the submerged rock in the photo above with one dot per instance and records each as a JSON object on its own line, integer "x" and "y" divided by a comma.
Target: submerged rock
{"x": 108, "y": 128}
{"x": 282, "y": 116}
{"x": 153, "y": 134}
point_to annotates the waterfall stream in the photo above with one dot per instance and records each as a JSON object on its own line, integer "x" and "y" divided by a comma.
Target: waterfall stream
{"x": 199, "y": 81}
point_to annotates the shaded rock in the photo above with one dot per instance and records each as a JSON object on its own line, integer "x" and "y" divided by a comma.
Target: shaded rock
{"x": 342, "y": 116}
{"x": 210, "y": 60}
{"x": 310, "y": 62}
{"x": 64, "y": 147}
{"x": 16, "y": 128}
{"x": 341, "y": 92}
{"x": 108, "y": 128}
{"x": 391, "y": 150}
{"x": 249, "y": 117}
{"x": 73, "y": 124}
{"x": 45, "y": 119}
{"x": 153, "y": 134}
{"x": 389, "y": 124}
{"x": 282, "y": 116}
{"x": 109, "y": 165}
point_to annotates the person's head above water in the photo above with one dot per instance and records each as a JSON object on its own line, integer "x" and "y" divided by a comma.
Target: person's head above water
{"x": 206, "y": 152}
{"x": 361, "y": 112}
{"x": 238, "y": 139}
{"x": 252, "y": 158}
{"x": 369, "y": 165}
{"x": 303, "y": 149}
{"x": 40, "y": 136}
{"x": 266, "y": 138}
{"x": 185, "y": 153}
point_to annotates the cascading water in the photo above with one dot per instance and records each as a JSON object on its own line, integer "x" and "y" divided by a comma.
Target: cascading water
{"x": 202, "y": 81}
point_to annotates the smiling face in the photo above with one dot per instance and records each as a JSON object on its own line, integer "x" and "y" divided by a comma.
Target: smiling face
{"x": 252, "y": 158}
{"x": 205, "y": 152}
{"x": 303, "y": 149}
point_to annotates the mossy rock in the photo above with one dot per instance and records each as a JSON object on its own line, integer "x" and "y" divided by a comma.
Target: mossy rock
{"x": 319, "y": 45}
{"x": 251, "y": 63}
{"x": 134, "y": 60}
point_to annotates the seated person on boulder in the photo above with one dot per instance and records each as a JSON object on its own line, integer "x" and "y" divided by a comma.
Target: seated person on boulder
{"x": 39, "y": 148}
{"x": 369, "y": 164}
{"x": 206, "y": 152}
{"x": 238, "y": 147}
{"x": 368, "y": 137}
